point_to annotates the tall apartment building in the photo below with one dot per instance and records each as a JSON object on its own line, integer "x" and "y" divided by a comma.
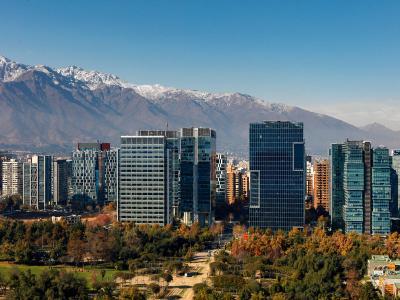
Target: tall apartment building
{"x": 277, "y": 175}
{"x": 93, "y": 165}
{"x": 60, "y": 181}
{"x": 245, "y": 184}
{"x": 230, "y": 184}
{"x": 381, "y": 191}
{"x": 146, "y": 173}
{"x": 221, "y": 179}
{"x": 11, "y": 178}
{"x": 321, "y": 184}
{"x": 198, "y": 174}
{"x": 237, "y": 184}
{"x": 37, "y": 181}
{"x": 359, "y": 175}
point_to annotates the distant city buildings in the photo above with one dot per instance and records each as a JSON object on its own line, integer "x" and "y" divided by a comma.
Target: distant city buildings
{"x": 277, "y": 175}
{"x": 158, "y": 176}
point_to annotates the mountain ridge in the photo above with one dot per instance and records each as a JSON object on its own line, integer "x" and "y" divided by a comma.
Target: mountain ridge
{"x": 42, "y": 107}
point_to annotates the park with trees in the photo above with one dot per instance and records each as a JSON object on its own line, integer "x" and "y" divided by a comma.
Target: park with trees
{"x": 309, "y": 264}
{"x": 54, "y": 259}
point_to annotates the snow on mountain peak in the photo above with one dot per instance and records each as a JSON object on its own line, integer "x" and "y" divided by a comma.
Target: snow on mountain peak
{"x": 10, "y": 70}
{"x": 4, "y": 60}
{"x": 93, "y": 79}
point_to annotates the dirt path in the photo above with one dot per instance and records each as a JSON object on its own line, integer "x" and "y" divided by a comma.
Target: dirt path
{"x": 201, "y": 264}
{"x": 181, "y": 286}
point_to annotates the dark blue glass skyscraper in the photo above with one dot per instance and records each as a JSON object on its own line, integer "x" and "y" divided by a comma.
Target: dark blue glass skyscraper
{"x": 277, "y": 175}
{"x": 336, "y": 155}
{"x": 198, "y": 182}
{"x": 353, "y": 183}
{"x": 381, "y": 191}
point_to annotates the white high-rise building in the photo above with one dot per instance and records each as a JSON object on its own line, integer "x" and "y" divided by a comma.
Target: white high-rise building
{"x": 221, "y": 178}
{"x": 11, "y": 177}
{"x": 37, "y": 181}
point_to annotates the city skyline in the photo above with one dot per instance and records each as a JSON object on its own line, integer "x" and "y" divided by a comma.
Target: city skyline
{"x": 200, "y": 150}
{"x": 299, "y": 61}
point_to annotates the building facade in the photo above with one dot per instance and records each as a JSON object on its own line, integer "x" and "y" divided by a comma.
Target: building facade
{"x": 60, "y": 182}
{"x": 361, "y": 187}
{"x": 37, "y": 182}
{"x": 353, "y": 183}
{"x": 395, "y": 182}
{"x": 230, "y": 184}
{"x": 11, "y": 178}
{"x": 198, "y": 174}
{"x": 321, "y": 184}
{"x": 173, "y": 156}
{"x": 221, "y": 179}
{"x": 381, "y": 191}
{"x": 277, "y": 175}
{"x": 111, "y": 175}
{"x": 94, "y": 177}
{"x": 309, "y": 183}
{"x": 336, "y": 159}
{"x": 144, "y": 196}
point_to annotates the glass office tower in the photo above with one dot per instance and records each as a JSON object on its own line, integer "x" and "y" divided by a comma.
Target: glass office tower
{"x": 381, "y": 191}
{"x": 198, "y": 174}
{"x": 396, "y": 181}
{"x": 60, "y": 182}
{"x": 277, "y": 175}
{"x": 353, "y": 183}
{"x": 336, "y": 156}
{"x": 143, "y": 195}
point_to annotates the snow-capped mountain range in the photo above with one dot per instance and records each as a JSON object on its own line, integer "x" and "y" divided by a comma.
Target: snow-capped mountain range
{"x": 50, "y": 109}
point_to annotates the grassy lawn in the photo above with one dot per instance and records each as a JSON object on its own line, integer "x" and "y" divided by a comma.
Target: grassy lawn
{"x": 87, "y": 272}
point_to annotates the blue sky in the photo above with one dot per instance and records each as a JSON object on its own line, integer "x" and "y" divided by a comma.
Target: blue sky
{"x": 336, "y": 57}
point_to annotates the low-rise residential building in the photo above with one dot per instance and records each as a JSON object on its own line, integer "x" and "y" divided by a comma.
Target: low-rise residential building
{"x": 384, "y": 274}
